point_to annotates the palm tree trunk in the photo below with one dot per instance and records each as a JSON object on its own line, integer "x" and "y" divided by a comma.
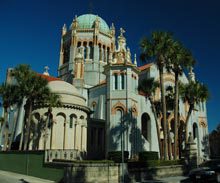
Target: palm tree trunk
{"x": 5, "y": 130}
{"x": 46, "y": 128}
{"x": 27, "y": 134}
{"x": 157, "y": 125}
{"x": 187, "y": 121}
{"x": 176, "y": 112}
{"x": 164, "y": 111}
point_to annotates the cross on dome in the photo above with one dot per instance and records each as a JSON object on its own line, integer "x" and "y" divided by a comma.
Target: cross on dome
{"x": 46, "y": 69}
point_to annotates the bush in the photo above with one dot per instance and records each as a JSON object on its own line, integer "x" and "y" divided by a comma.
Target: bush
{"x": 148, "y": 155}
{"x": 170, "y": 162}
{"x": 116, "y": 156}
{"x": 154, "y": 163}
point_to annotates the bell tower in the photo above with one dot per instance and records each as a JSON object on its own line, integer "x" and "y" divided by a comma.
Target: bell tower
{"x": 122, "y": 97}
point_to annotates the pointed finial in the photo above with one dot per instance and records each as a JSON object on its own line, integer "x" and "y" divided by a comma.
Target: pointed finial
{"x": 46, "y": 69}
{"x": 122, "y": 31}
{"x": 191, "y": 74}
{"x": 113, "y": 26}
{"x": 64, "y": 29}
{"x": 135, "y": 59}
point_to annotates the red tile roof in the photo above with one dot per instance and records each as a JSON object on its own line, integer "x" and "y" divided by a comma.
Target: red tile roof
{"x": 102, "y": 82}
{"x": 49, "y": 78}
{"x": 146, "y": 66}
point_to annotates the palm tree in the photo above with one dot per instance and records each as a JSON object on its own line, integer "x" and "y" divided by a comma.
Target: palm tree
{"x": 147, "y": 87}
{"x": 159, "y": 49}
{"x": 8, "y": 95}
{"x": 34, "y": 89}
{"x": 181, "y": 58}
{"x": 22, "y": 74}
{"x": 193, "y": 93}
{"x": 38, "y": 91}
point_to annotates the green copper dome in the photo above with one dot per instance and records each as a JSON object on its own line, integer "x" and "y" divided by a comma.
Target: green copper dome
{"x": 87, "y": 21}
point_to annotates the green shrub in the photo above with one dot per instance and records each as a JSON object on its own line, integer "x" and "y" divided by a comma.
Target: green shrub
{"x": 116, "y": 156}
{"x": 148, "y": 155}
{"x": 153, "y": 163}
{"x": 170, "y": 162}
{"x": 83, "y": 161}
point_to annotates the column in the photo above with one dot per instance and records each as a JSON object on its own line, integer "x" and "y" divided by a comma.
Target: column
{"x": 87, "y": 52}
{"x": 101, "y": 54}
{"x": 106, "y": 55}
{"x": 74, "y": 145}
{"x": 85, "y": 138}
{"x": 81, "y": 139}
{"x": 119, "y": 82}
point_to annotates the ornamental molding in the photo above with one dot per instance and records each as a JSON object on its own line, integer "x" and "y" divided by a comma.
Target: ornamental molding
{"x": 118, "y": 105}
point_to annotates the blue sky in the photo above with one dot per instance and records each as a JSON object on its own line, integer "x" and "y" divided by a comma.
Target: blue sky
{"x": 30, "y": 32}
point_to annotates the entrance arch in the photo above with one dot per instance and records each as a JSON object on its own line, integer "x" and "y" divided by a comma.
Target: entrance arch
{"x": 146, "y": 126}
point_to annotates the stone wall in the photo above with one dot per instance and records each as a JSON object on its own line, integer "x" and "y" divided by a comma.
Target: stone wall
{"x": 143, "y": 174}
{"x": 92, "y": 173}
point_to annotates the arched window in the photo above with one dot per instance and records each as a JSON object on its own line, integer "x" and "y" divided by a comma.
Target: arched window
{"x": 115, "y": 82}
{"x": 108, "y": 54}
{"x": 78, "y": 44}
{"x": 103, "y": 54}
{"x": 122, "y": 81}
{"x": 73, "y": 118}
{"x": 91, "y": 50}
{"x": 119, "y": 115}
{"x": 84, "y": 45}
{"x": 195, "y": 130}
{"x": 100, "y": 51}
{"x": 93, "y": 107}
{"x": 145, "y": 126}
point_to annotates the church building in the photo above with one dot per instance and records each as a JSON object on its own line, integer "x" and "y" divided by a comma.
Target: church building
{"x": 102, "y": 110}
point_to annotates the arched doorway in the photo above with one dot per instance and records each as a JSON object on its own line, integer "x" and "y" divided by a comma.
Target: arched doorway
{"x": 145, "y": 126}
{"x": 195, "y": 131}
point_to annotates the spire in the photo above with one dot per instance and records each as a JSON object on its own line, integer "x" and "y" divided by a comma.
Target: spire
{"x": 64, "y": 29}
{"x": 128, "y": 55}
{"x": 191, "y": 75}
{"x": 97, "y": 22}
{"x": 74, "y": 24}
{"x": 112, "y": 28}
{"x": 46, "y": 69}
{"x": 135, "y": 59}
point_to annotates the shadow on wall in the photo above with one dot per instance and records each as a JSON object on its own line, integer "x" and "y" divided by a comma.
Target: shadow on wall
{"x": 132, "y": 134}
{"x": 36, "y": 130}
{"x": 205, "y": 146}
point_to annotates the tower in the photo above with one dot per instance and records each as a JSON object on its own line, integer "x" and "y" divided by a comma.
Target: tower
{"x": 122, "y": 82}
{"x": 91, "y": 36}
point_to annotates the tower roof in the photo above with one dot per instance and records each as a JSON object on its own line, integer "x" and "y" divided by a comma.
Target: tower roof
{"x": 87, "y": 21}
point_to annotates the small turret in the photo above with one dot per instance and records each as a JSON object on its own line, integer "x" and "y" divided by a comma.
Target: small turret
{"x": 191, "y": 75}
{"x": 74, "y": 24}
{"x": 112, "y": 29}
{"x": 135, "y": 59}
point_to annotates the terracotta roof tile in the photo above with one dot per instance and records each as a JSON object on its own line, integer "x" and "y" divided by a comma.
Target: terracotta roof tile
{"x": 49, "y": 78}
{"x": 102, "y": 82}
{"x": 146, "y": 66}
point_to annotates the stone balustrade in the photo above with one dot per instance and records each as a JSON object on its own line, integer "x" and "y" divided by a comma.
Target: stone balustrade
{"x": 67, "y": 154}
